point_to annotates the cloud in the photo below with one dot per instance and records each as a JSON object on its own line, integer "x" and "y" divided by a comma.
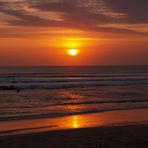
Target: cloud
{"x": 23, "y": 19}
{"x": 80, "y": 14}
{"x": 136, "y": 10}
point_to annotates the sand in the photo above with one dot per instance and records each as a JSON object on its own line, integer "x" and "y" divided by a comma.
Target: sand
{"x": 132, "y": 136}
{"x": 116, "y": 129}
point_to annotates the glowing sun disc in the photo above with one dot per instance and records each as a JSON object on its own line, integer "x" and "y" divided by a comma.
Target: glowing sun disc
{"x": 73, "y": 52}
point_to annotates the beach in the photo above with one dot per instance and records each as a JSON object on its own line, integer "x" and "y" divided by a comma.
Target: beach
{"x": 105, "y": 130}
{"x": 73, "y": 73}
{"x": 66, "y": 107}
{"x": 102, "y": 137}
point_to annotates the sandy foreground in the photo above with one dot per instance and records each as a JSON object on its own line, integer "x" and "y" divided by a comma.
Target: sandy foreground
{"x": 118, "y": 129}
{"x": 133, "y": 136}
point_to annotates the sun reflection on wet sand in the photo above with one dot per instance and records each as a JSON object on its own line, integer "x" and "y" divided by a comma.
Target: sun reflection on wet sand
{"x": 75, "y": 121}
{"x": 80, "y": 121}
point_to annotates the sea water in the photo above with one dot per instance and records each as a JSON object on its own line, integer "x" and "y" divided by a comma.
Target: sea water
{"x": 39, "y": 92}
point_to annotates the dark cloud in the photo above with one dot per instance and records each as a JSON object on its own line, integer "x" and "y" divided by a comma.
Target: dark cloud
{"x": 73, "y": 11}
{"x": 23, "y": 19}
{"x": 136, "y": 10}
{"x": 29, "y": 20}
{"x": 81, "y": 14}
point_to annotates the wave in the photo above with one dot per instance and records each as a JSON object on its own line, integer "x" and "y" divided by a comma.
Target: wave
{"x": 66, "y": 85}
{"x": 121, "y": 101}
{"x": 38, "y": 75}
{"x": 101, "y": 102}
{"x": 70, "y": 79}
{"x": 69, "y": 114}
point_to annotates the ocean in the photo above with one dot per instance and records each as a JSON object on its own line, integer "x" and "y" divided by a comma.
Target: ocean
{"x": 47, "y": 92}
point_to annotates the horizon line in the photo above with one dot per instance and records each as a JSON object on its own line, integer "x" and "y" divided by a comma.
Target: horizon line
{"x": 73, "y": 65}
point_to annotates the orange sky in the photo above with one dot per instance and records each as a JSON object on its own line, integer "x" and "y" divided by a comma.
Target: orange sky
{"x": 106, "y": 33}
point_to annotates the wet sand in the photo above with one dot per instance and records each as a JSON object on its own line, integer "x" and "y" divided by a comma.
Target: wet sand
{"x": 108, "y": 118}
{"x": 117, "y": 129}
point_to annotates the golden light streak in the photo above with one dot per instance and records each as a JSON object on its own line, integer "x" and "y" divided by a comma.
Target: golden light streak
{"x": 75, "y": 122}
{"x": 72, "y": 43}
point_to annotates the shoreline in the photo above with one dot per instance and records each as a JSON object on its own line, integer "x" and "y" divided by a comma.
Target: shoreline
{"x": 104, "y": 130}
{"x": 104, "y": 119}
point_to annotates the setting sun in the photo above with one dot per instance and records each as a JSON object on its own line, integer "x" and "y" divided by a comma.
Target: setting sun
{"x": 73, "y": 52}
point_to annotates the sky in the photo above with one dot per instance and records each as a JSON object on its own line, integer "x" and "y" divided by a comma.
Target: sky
{"x": 106, "y": 32}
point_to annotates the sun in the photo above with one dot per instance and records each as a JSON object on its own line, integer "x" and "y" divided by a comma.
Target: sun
{"x": 73, "y": 52}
